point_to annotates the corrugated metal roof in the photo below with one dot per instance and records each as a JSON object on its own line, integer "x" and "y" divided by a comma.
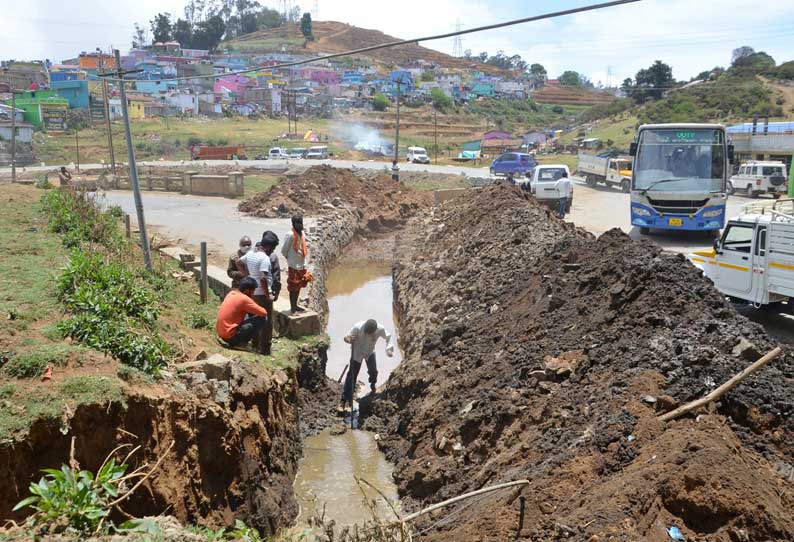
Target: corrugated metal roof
{"x": 774, "y": 128}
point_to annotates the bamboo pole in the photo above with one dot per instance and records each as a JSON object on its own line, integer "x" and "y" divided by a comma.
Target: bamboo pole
{"x": 725, "y": 388}
{"x": 453, "y": 500}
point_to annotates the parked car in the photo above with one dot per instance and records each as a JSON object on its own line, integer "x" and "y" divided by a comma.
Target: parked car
{"x": 317, "y": 153}
{"x": 297, "y": 153}
{"x": 756, "y": 178}
{"x": 543, "y": 184}
{"x": 417, "y": 155}
{"x": 516, "y": 164}
{"x": 277, "y": 153}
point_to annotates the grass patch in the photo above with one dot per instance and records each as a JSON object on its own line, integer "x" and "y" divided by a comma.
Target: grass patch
{"x": 259, "y": 183}
{"x": 33, "y": 363}
{"x": 433, "y": 184}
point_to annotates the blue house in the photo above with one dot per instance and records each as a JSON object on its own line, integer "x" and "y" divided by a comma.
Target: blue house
{"x": 155, "y": 87}
{"x": 74, "y": 91}
{"x": 405, "y": 78}
{"x": 353, "y": 78}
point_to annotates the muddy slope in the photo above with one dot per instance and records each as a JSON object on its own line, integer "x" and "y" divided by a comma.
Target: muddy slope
{"x": 234, "y": 456}
{"x": 533, "y": 350}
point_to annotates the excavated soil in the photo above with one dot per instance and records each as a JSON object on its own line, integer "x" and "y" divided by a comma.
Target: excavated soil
{"x": 534, "y": 350}
{"x": 380, "y": 203}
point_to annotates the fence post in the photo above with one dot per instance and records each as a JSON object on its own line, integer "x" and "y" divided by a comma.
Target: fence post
{"x": 127, "y": 227}
{"x": 203, "y": 279}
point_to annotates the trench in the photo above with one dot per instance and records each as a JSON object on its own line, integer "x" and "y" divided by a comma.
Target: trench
{"x": 325, "y": 483}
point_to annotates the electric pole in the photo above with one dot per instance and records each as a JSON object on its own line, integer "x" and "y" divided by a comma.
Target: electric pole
{"x": 295, "y": 110}
{"x": 289, "y": 113}
{"x": 435, "y": 135}
{"x": 106, "y": 107}
{"x": 397, "y": 133}
{"x": 136, "y": 189}
{"x": 77, "y": 145}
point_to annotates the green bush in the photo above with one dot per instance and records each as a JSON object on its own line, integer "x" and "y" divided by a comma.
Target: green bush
{"x": 441, "y": 101}
{"x": 380, "y": 102}
{"x": 80, "y": 498}
{"x": 197, "y": 320}
{"x": 32, "y": 364}
{"x": 77, "y": 218}
{"x": 41, "y": 180}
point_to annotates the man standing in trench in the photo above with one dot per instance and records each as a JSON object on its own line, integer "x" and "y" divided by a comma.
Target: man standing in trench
{"x": 296, "y": 252}
{"x": 362, "y": 339}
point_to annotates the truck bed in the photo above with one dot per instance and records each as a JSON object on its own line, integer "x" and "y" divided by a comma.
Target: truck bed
{"x": 780, "y": 267}
{"x": 590, "y": 163}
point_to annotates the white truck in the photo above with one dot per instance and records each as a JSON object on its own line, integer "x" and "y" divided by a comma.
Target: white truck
{"x": 603, "y": 168}
{"x": 753, "y": 261}
{"x": 543, "y": 184}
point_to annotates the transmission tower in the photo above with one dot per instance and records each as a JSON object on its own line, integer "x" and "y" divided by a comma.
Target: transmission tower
{"x": 457, "y": 42}
{"x": 286, "y": 7}
{"x": 316, "y": 10}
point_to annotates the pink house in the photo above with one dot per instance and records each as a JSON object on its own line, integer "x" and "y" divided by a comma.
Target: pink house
{"x": 232, "y": 84}
{"x": 320, "y": 75}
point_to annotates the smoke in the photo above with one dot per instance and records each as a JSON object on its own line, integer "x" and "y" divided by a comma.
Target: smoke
{"x": 365, "y": 138}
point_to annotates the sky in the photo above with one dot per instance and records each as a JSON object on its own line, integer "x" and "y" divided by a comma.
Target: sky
{"x": 606, "y": 45}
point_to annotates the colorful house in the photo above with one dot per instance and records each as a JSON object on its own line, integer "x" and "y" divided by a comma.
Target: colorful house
{"x": 483, "y": 89}
{"x": 65, "y": 72}
{"x": 94, "y": 61}
{"x": 155, "y": 87}
{"x": 141, "y": 107}
{"x": 74, "y": 91}
{"x": 44, "y": 110}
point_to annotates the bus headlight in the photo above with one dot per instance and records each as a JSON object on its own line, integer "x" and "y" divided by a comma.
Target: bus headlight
{"x": 712, "y": 214}
{"x": 639, "y": 211}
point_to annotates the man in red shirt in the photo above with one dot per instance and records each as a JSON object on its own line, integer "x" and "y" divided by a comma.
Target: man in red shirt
{"x": 240, "y": 318}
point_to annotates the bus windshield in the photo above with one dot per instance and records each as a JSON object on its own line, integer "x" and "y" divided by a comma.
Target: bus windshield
{"x": 682, "y": 160}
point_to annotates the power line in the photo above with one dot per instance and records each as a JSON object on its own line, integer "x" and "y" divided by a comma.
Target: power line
{"x": 415, "y": 41}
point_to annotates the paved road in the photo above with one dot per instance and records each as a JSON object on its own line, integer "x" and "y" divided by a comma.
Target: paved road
{"x": 189, "y": 220}
{"x": 279, "y": 165}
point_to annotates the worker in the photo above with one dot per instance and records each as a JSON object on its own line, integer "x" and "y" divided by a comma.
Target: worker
{"x": 565, "y": 193}
{"x": 240, "y": 318}
{"x": 296, "y": 252}
{"x": 395, "y": 171}
{"x": 256, "y": 265}
{"x": 65, "y": 177}
{"x": 362, "y": 339}
{"x": 232, "y": 270}
{"x": 269, "y": 244}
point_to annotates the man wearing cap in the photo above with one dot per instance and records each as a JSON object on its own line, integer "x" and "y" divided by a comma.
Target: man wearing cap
{"x": 269, "y": 243}
{"x": 240, "y": 318}
{"x": 362, "y": 339}
{"x": 296, "y": 252}
{"x": 232, "y": 270}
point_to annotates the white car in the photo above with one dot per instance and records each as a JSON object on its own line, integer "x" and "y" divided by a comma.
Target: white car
{"x": 277, "y": 153}
{"x": 756, "y": 178}
{"x": 417, "y": 155}
{"x": 543, "y": 183}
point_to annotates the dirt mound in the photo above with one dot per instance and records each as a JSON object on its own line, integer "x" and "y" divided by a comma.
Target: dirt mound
{"x": 380, "y": 203}
{"x": 534, "y": 350}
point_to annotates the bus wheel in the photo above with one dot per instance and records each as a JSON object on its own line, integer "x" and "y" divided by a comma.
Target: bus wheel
{"x": 625, "y": 186}
{"x": 645, "y": 231}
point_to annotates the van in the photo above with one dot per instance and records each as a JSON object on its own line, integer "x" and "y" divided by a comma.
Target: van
{"x": 317, "y": 153}
{"x": 515, "y": 164}
{"x": 756, "y": 178}
{"x": 417, "y": 155}
{"x": 297, "y": 153}
{"x": 543, "y": 184}
{"x": 277, "y": 153}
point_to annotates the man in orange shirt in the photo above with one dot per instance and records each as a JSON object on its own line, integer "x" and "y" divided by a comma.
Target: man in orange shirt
{"x": 240, "y": 318}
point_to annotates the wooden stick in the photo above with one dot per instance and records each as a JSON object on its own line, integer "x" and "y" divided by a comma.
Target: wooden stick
{"x": 725, "y": 388}
{"x": 453, "y": 500}
{"x": 131, "y": 491}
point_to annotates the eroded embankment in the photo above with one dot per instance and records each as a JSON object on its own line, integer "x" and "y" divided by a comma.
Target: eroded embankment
{"x": 236, "y": 445}
{"x": 534, "y": 350}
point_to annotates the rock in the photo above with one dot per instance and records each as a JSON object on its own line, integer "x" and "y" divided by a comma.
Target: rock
{"x": 571, "y": 267}
{"x": 201, "y": 355}
{"x": 665, "y": 403}
{"x": 648, "y": 399}
{"x": 546, "y": 508}
{"x": 193, "y": 380}
{"x": 338, "y": 429}
{"x": 216, "y": 367}
{"x": 494, "y": 308}
{"x": 747, "y": 350}
{"x": 538, "y": 375}
{"x": 441, "y": 444}
{"x": 221, "y": 392}
{"x": 565, "y": 364}
{"x": 329, "y": 206}
{"x": 465, "y": 410}
{"x": 458, "y": 448}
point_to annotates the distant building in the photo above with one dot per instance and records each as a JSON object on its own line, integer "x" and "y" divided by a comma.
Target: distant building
{"x": 74, "y": 91}
{"x": 94, "y": 61}
{"x": 141, "y": 107}
{"x": 774, "y": 141}
{"x": 44, "y": 110}
{"x": 155, "y": 87}
{"x": 24, "y": 132}
{"x": 65, "y": 72}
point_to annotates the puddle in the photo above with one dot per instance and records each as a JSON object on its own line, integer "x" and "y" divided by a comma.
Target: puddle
{"x": 325, "y": 478}
{"x": 356, "y": 292}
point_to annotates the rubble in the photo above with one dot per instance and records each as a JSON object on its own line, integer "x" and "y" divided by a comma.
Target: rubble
{"x": 562, "y": 376}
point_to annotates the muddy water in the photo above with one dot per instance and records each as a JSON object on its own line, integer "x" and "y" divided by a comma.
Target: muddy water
{"x": 326, "y": 474}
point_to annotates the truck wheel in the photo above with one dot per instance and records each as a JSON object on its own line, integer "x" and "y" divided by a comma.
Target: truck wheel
{"x": 645, "y": 231}
{"x": 591, "y": 181}
{"x": 625, "y": 186}
{"x": 750, "y": 192}
{"x": 754, "y": 193}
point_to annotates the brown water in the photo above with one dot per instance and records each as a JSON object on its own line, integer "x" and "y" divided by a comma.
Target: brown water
{"x": 326, "y": 474}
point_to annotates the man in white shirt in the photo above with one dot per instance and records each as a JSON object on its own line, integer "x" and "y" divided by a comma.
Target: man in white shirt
{"x": 565, "y": 192}
{"x": 362, "y": 339}
{"x": 256, "y": 265}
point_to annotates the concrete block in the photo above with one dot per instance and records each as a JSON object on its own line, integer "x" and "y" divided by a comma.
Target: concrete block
{"x": 178, "y": 253}
{"x": 216, "y": 367}
{"x": 296, "y": 325}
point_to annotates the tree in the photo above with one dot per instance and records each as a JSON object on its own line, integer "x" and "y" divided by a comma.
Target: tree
{"x": 757, "y": 61}
{"x": 208, "y": 33}
{"x": 161, "y": 27}
{"x": 538, "y": 70}
{"x": 652, "y": 82}
{"x": 380, "y": 102}
{"x": 482, "y": 57}
{"x": 294, "y": 14}
{"x": 628, "y": 86}
{"x": 467, "y": 54}
{"x": 306, "y": 28}
{"x": 441, "y": 101}
{"x": 740, "y": 52}
{"x": 427, "y": 76}
{"x": 571, "y": 79}
{"x": 140, "y": 37}
{"x": 268, "y": 18}
{"x": 183, "y": 32}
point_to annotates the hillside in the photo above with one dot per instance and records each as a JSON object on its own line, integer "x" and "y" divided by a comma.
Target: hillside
{"x": 336, "y": 37}
{"x": 564, "y": 95}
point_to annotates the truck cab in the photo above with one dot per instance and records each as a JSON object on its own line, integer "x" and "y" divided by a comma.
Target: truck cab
{"x": 753, "y": 261}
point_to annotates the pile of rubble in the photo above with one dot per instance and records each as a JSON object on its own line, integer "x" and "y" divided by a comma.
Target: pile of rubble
{"x": 380, "y": 203}
{"x": 534, "y": 350}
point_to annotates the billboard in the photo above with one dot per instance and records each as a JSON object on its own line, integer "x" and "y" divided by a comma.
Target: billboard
{"x": 53, "y": 117}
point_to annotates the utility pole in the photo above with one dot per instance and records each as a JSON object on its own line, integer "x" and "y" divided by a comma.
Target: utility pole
{"x": 107, "y": 125}
{"x": 435, "y": 135}
{"x": 77, "y": 145}
{"x": 397, "y": 134}
{"x": 289, "y": 114}
{"x": 136, "y": 189}
{"x": 295, "y": 109}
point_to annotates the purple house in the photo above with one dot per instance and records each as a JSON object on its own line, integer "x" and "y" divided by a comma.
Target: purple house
{"x": 232, "y": 84}
{"x": 320, "y": 76}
